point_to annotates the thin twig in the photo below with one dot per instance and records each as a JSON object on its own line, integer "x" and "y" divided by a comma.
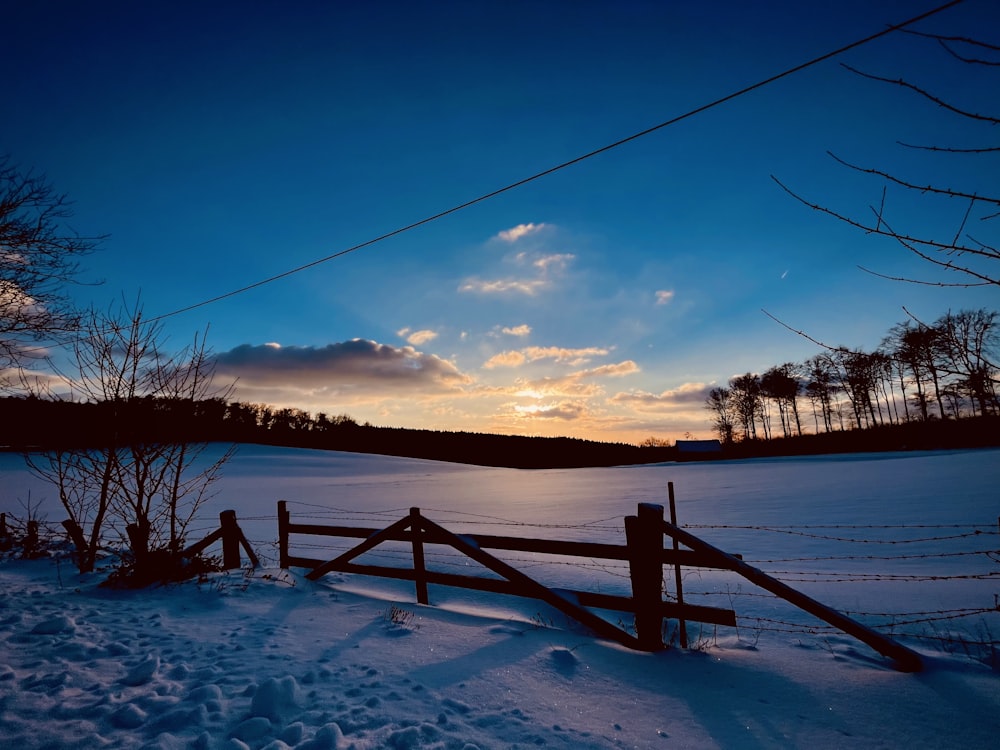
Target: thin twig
{"x": 924, "y": 93}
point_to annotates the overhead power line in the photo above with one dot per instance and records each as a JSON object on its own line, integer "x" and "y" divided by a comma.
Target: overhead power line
{"x": 565, "y": 164}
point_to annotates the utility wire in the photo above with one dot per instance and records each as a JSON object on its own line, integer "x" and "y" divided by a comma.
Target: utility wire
{"x": 564, "y": 165}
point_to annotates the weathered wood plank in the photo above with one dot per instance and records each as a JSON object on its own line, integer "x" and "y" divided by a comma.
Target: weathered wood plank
{"x": 372, "y": 541}
{"x": 596, "y": 550}
{"x": 611, "y": 602}
{"x": 905, "y": 659}
{"x": 532, "y": 588}
{"x": 197, "y": 547}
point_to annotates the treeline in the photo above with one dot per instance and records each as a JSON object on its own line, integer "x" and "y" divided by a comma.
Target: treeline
{"x": 921, "y": 372}
{"x": 34, "y": 424}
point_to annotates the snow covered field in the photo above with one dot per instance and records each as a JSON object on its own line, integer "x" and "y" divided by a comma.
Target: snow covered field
{"x": 273, "y": 660}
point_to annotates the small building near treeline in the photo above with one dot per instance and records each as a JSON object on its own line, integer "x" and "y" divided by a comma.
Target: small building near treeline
{"x": 695, "y": 450}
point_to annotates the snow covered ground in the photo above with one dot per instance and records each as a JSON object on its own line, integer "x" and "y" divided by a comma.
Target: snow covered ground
{"x": 269, "y": 659}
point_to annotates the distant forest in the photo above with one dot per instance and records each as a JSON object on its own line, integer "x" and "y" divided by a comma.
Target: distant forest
{"x": 920, "y": 373}
{"x": 33, "y": 424}
{"x": 28, "y": 424}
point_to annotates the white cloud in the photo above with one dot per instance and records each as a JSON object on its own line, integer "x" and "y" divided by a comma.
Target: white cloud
{"x": 560, "y": 355}
{"x": 628, "y": 367}
{"x": 521, "y": 330}
{"x": 417, "y": 337}
{"x": 565, "y": 410}
{"x": 664, "y": 296}
{"x": 576, "y": 384}
{"x": 505, "y": 359}
{"x": 563, "y": 355}
{"x": 543, "y": 270}
{"x": 515, "y": 233}
{"x": 688, "y": 394}
{"x": 14, "y": 302}
{"x": 529, "y": 287}
{"x": 557, "y": 261}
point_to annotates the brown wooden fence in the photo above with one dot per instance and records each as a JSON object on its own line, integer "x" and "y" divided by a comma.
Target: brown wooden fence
{"x": 644, "y": 551}
{"x": 232, "y": 538}
{"x": 229, "y": 533}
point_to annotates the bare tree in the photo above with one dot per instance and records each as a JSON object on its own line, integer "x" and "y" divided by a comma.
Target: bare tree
{"x": 143, "y": 478}
{"x": 748, "y": 403}
{"x": 781, "y": 384}
{"x": 964, "y": 257}
{"x": 39, "y": 257}
{"x": 969, "y": 342}
{"x": 821, "y": 388}
{"x": 723, "y": 407}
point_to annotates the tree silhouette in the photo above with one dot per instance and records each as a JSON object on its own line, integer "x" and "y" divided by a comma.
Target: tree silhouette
{"x": 140, "y": 472}
{"x": 39, "y": 257}
{"x": 963, "y": 257}
{"x": 946, "y": 369}
{"x": 723, "y": 407}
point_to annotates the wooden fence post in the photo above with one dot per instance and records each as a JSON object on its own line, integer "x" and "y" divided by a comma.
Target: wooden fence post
{"x": 3, "y": 524}
{"x": 230, "y": 540}
{"x": 76, "y": 536}
{"x": 31, "y": 540}
{"x": 681, "y": 624}
{"x": 284, "y": 519}
{"x": 644, "y": 536}
{"x": 419, "y": 568}
{"x": 906, "y": 660}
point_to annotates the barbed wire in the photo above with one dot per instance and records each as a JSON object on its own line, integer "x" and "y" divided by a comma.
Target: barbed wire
{"x": 478, "y": 518}
{"x": 796, "y": 531}
{"x": 831, "y": 577}
{"x": 827, "y": 558}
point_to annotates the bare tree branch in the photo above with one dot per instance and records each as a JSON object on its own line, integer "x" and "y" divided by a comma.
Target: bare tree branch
{"x": 803, "y": 334}
{"x": 952, "y": 150}
{"x": 950, "y": 265}
{"x": 943, "y": 41}
{"x": 39, "y": 257}
{"x": 961, "y": 284}
{"x": 927, "y": 95}
{"x": 912, "y": 186}
{"x": 934, "y": 244}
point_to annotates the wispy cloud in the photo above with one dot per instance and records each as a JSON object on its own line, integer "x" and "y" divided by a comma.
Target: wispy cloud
{"x": 540, "y": 271}
{"x": 564, "y": 410}
{"x": 628, "y": 367}
{"x": 417, "y": 337}
{"x": 521, "y": 230}
{"x": 553, "y": 262}
{"x": 505, "y": 359}
{"x": 664, "y": 296}
{"x": 578, "y": 383}
{"x": 521, "y": 330}
{"x": 561, "y": 355}
{"x": 688, "y": 394}
{"x": 530, "y": 287}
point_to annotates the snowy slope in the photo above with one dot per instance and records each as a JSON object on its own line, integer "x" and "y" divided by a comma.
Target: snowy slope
{"x": 273, "y": 660}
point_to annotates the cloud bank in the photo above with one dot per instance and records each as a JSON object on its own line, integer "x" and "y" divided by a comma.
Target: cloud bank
{"x": 358, "y": 366}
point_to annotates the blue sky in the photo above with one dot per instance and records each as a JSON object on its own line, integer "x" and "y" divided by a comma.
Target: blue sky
{"x": 223, "y": 143}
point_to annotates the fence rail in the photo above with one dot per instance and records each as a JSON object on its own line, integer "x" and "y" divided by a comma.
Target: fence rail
{"x": 644, "y": 552}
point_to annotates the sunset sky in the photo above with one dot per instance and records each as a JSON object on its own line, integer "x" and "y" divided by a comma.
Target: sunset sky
{"x": 220, "y": 144}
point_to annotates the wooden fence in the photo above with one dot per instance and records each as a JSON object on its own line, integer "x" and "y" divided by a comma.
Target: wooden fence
{"x": 232, "y": 538}
{"x": 229, "y": 533}
{"x": 644, "y": 551}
